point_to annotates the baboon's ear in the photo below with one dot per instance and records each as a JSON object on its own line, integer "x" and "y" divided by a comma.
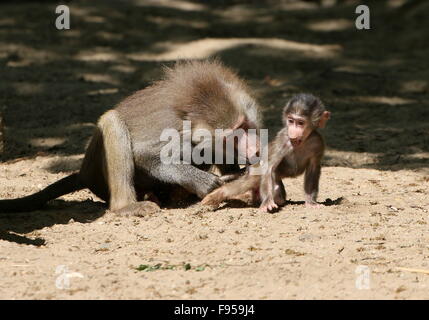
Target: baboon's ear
{"x": 324, "y": 118}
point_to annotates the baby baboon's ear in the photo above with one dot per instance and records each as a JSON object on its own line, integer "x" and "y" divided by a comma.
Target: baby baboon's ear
{"x": 324, "y": 118}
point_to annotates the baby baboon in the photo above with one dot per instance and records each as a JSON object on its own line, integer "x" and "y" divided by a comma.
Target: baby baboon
{"x": 297, "y": 148}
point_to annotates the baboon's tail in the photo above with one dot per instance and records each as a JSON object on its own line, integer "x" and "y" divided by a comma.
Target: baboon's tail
{"x": 37, "y": 200}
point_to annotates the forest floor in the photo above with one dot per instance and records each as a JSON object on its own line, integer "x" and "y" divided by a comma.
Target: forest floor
{"x": 375, "y": 180}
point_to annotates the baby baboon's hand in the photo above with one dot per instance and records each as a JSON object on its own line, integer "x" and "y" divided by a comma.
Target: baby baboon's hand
{"x": 213, "y": 199}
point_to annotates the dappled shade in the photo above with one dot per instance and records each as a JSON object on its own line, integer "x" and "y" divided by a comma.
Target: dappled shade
{"x": 55, "y": 84}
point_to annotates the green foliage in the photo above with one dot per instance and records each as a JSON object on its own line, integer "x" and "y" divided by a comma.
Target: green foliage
{"x": 160, "y": 266}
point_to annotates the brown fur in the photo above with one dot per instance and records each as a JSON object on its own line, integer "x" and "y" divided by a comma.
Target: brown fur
{"x": 122, "y": 161}
{"x": 284, "y": 160}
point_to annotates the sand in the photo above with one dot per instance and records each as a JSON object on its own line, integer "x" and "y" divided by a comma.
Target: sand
{"x": 374, "y": 181}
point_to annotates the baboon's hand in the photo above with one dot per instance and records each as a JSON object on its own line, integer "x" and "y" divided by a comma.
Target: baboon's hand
{"x": 191, "y": 178}
{"x": 230, "y": 177}
{"x": 207, "y": 184}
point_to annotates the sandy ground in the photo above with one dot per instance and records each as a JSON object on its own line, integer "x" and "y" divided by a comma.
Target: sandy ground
{"x": 374, "y": 183}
